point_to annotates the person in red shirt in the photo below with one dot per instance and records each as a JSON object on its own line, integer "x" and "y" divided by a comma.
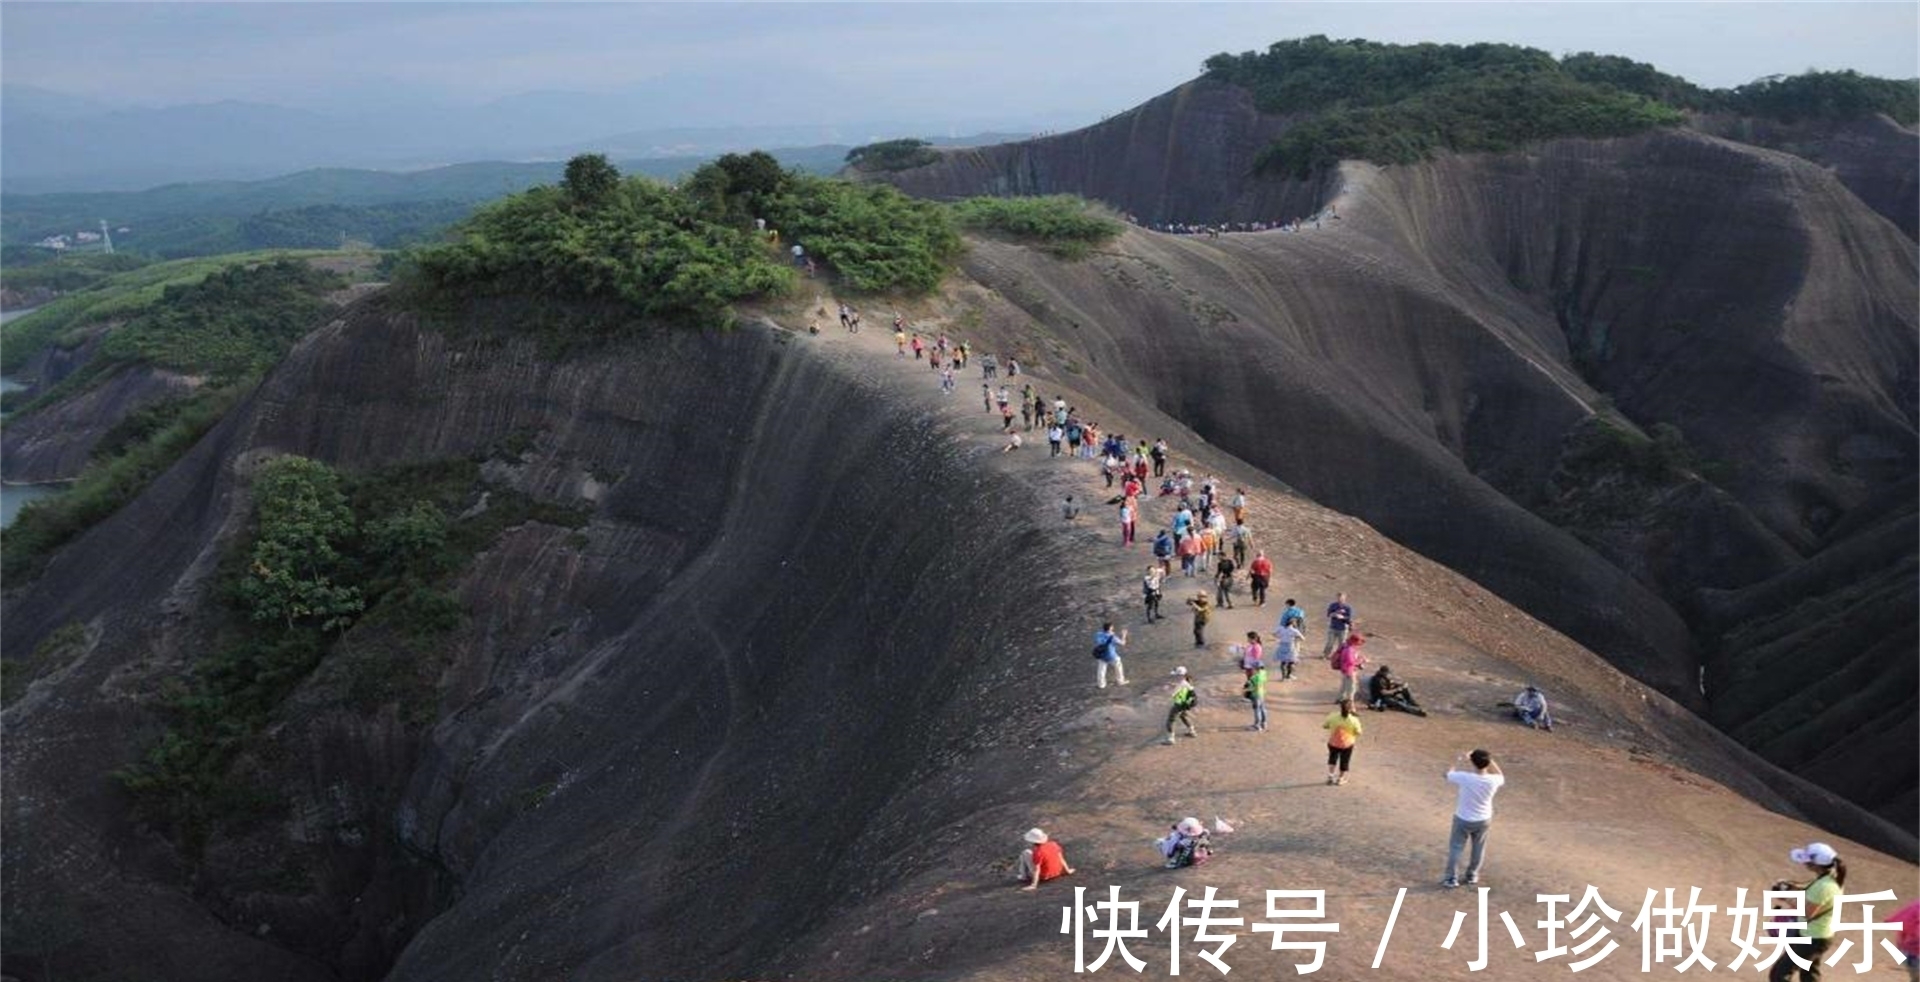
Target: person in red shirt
{"x": 1259, "y": 574}
{"x": 1044, "y": 861}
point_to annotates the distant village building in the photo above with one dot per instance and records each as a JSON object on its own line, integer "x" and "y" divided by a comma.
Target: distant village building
{"x": 86, "y": 236}
{"x": 53, "y": 242}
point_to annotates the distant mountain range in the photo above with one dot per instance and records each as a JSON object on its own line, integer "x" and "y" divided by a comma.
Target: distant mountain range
{"x": 53, "y": 141}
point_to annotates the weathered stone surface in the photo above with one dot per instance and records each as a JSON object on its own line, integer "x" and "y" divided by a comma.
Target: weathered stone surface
{"x": 54, "y": 442}
{"x": 1420, "y": 362}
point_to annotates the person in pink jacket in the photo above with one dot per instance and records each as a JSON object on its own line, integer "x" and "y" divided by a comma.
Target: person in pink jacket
{"x": 1348, "y": 661}
{"x": 1908, "y": 918}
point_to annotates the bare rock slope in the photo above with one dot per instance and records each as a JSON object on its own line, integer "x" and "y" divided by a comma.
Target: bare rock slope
{"x": 1437, "y": 360}
{"x": 786, "y": 701}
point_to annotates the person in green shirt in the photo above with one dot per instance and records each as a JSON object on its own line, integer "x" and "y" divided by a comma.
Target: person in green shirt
{"x": 1822, "y": 892}
{"x": 1184, "y": 699}
{"x": 1256, "y": 693}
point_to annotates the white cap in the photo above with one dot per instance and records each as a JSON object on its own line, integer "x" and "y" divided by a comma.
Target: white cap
{"x": 1182, "y": 670}
{"x": 1817, "y": 853}
{"x": 1035, "y": 836}
{"x": 1191, "y": 826}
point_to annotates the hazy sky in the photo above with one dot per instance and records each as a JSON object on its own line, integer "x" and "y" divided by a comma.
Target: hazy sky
{"x": 950, "y": 58}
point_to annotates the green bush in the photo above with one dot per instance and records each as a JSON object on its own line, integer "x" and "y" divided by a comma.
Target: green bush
{"x": 122, "y": 296}
{"x": 644, "y": 248}
{"x": 1066, "y": 225}
{"x": 1397, "y": 104}
{"x": 235, "y": 323}
{"x": 1639, "y": 78}
{"x": 683, "y": 255}
{"x": 892, "y": 155}
{"x": 323, "y": 550}
{"x": 1828, "y": 95}
{"x": 874, "y": 237}
{"x": 294, "y": 571}
{"x": 1496, "y": 111}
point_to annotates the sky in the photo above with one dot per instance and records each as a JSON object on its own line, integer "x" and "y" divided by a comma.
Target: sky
{"x": 946, "y": 60}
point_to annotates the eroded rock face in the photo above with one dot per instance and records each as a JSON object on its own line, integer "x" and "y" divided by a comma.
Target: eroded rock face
{"x": 1423, "y": 362}
{"x": 54, "y": 442}
{"x": 1186, "y": 156}
{"x": 630, "y": 705}
{"x": 1877, "y": 158}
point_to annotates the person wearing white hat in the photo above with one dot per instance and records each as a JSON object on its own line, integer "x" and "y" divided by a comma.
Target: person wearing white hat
{"x": 1187, "y": 845}
{"x": 1830, "y": 874}
{"x": 1042, "y": 860}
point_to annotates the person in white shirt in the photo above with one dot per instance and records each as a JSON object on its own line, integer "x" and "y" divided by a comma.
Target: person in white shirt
{"x": 1286, "y": 647}
{"x": 1472, "y": 814}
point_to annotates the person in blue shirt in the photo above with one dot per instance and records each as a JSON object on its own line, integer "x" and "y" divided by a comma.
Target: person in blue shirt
{"x": 1293, "y": 616}
{"x": 1339, "y": 622}
{"x": 1106, "y": 648}
{"x": 1182, "y": 522}
{"x": 1163, "y": 552}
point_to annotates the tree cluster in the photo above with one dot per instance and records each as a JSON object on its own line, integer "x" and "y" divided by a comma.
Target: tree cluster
{"x": 684, "y": 254}
{"x": 1395, "y": 104}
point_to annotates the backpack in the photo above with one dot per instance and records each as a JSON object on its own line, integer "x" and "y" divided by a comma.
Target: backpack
{"x": 1099, "y": 651}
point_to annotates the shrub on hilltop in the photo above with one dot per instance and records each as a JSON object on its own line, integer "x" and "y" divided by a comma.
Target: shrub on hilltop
{"x": 890, "y": 155}
{"x": 684, "y": 254}
{"x": 1397, "y": 104}
{"x": 1828, "y": 95}
{"x": 1063, "y": 224}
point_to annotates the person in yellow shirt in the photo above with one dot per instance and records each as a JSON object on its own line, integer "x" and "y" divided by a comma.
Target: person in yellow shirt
{"x": 1823, "y": 892}
{"x": 1343, "y": 734}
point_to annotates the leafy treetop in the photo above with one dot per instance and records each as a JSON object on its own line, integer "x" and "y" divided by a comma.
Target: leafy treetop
{"x": 1393, "y": 103}
{"x": 684, "y": 254}
{"x": 889, "y": 155}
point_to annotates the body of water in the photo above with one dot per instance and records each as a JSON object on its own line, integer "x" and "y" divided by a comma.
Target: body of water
{"x": 13, "y": 496}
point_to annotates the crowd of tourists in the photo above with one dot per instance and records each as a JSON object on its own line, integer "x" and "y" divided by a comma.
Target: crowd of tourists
{"x": 1210, "y": 536}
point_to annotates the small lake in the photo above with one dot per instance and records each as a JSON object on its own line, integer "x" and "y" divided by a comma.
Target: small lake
{"x": 13, "y": 496}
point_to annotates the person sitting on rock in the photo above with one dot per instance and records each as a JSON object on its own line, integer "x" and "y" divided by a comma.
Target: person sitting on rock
{"x": 1384, "y": 691}
{"x": 1043, "y": 860}
{"x": 1531, "y": 706}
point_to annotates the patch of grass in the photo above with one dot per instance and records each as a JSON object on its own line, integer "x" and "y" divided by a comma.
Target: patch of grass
{"x": 1065, "y": 225}
{"x": 67, "y": 273}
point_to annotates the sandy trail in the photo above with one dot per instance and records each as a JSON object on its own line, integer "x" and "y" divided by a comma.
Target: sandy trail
{"x": 1609, "y": 799}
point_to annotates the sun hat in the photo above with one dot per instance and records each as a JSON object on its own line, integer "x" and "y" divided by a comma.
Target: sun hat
{"x": 1182, "y": 670}
{"x": 1817, "y": 853}
{"x": 1190, "y": 826}
{"x": 1035, "y": 836}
